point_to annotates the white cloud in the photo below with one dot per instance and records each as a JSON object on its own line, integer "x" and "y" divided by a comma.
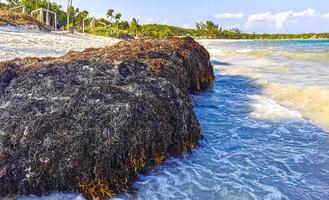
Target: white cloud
{"x": 279, "y": 19}
{"x": 229, "y": 15}
{"x": 326, "y": 16}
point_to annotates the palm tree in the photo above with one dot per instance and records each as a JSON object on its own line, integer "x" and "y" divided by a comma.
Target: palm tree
{"x": 69, "y": 6}
{"x": 134, "y": 28}
{"x": 199, "y": 25}
{"x": 118, "y": 16}
{"x": 212, "y": 29}
{"x": 109, "y": 13}
{"x": 209, "y": 28}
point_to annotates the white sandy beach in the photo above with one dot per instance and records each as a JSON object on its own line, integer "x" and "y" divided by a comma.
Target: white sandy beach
{"x": 26, "y": 42}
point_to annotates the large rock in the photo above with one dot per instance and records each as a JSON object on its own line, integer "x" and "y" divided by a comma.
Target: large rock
{"x": 90, "y": 121}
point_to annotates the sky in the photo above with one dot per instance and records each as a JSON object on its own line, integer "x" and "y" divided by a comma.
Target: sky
{"x": 270, "y": 16}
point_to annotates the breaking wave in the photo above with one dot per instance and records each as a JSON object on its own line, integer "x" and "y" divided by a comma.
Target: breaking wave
{"x": 293, "y": 74}
{"x": 264, "y": 108}
{"x": 311, "y": 56}
{"x": 299, "y": 55}
{"x": 312, "y": 102}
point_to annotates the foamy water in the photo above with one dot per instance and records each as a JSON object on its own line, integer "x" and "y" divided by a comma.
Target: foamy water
{"x": 295, "y": 73}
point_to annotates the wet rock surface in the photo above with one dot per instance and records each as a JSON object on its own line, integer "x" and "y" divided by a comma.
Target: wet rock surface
{"x": 90, "y": 121}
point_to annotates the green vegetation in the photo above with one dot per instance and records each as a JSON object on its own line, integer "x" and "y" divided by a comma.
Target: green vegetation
{"x": 159, "y": 31}
{"x": 112, "y": 25}
{"x": 135, "y": 28}
{"x": 212, "y": 31}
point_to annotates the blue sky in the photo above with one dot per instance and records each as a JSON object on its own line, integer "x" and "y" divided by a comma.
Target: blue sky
{"x": 274, "y": 16}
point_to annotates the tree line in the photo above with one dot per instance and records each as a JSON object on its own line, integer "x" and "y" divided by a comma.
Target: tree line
{"x": 111, "y": 24}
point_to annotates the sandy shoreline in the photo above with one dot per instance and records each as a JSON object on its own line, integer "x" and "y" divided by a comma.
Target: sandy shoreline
{"x": 18, "y": 42}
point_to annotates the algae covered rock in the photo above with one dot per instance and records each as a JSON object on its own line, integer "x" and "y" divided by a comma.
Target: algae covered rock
{"x": 90, "y": 121}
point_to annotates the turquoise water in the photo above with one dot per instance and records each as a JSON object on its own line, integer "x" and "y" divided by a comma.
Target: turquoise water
{"x": 295, "y": 45}
{"x": 256, "y": 145}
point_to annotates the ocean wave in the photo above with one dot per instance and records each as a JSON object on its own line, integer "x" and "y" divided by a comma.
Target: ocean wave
{"x": 264, "y": 108}
{"x": 311, "y": 56}
{"x": 256, "y": 69}
{"x": 311, "y": 101}
{"x": 281, "y": 101}
{"x": 320, "y": 56}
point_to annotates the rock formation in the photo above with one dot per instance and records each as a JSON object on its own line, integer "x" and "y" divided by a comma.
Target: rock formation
{"x": 90, "y": 121}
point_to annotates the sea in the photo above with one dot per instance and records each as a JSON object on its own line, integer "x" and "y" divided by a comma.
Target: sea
{"x": 265, "y": 123}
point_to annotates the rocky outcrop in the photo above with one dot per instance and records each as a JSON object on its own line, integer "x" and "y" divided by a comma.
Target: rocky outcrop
{"x": 90, "y": 121}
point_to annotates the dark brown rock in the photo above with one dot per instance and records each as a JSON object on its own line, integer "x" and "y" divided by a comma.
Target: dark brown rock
{"x": 90, "y": 121}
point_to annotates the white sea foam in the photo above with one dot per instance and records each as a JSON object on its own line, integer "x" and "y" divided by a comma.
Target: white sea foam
{"x": 53, "y": 196}
{"x": 307, "y": 56}
{"x": 312, "y": 101}
{"x": 294, "y": 80}
{"x": 244, "y": 50}
{"x": 267, "y": 109}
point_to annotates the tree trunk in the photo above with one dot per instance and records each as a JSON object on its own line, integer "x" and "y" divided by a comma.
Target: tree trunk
{"x": 47, "y": 15}
{"x": 69, "y": 5}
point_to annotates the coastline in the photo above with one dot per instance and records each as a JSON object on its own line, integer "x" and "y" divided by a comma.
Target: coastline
{"x": 232, "y": 40}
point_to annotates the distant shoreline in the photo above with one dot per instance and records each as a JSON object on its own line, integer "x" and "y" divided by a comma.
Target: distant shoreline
{"x": 203, "y": 39}
{"x": 185, "y": 33}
